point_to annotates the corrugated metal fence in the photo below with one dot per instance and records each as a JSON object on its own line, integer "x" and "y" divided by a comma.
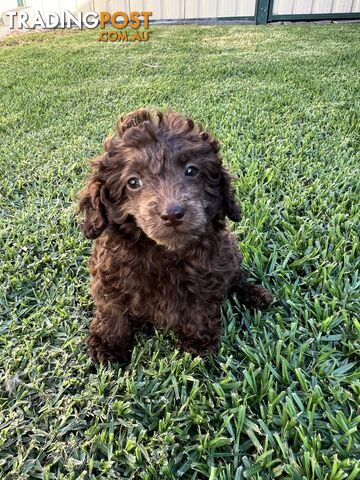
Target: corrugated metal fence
{"x": 242, "y": 9}
{"x": 182, "y": 9}
{"x": 258, "y": 11}
{"x": 296, "y": 7}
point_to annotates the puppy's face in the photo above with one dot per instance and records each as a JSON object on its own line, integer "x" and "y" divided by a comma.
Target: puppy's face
{"x": 169, "y": 194}
{"x": 164, "y": 174}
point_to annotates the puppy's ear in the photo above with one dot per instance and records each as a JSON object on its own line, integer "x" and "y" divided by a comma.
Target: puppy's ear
{"x": 229, "y": 206}
{"x": 92, "y": 203}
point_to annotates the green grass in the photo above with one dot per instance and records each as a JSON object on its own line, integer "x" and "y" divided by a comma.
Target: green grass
{"x": 281, "y": 398}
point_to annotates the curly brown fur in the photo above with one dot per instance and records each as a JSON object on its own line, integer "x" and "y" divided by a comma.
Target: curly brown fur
{"x": 156, "y": 204}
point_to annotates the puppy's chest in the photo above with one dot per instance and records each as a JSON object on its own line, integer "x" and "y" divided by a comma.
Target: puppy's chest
{"x": 155, "y": 274}
{"x": 167, "y": 278}
{"x": 149, "y": 277}
{"x": 160, "y": 274}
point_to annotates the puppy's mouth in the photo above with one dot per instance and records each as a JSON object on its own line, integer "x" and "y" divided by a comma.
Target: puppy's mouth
{"x": 175, "y": 228}
{"x": 175, "y": 236}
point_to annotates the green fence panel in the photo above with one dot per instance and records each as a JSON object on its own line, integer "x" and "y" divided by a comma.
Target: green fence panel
{"x": 262, "y": 12}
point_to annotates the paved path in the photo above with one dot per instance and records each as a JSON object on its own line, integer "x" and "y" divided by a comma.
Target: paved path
{"x": 4, "y": 32}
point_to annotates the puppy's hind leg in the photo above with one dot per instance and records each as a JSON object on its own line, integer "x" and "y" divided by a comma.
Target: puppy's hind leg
{"x": 254, "y": 297}
{"x": 111, "y": 336}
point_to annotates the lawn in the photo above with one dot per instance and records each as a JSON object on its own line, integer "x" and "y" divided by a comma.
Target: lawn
{"x": 281, "y": 398}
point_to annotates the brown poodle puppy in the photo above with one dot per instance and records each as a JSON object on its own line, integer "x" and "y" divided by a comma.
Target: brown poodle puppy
{"x": 156, "y": 203}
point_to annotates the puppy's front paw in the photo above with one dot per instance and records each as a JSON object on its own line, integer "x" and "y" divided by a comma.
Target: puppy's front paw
{"x": 100, "y": 352}
{"x": 201, "y": 345}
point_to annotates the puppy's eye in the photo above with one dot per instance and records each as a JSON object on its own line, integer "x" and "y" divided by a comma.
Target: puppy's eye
{"x": 191, "y": 171}
{"x": 134, "y": 183}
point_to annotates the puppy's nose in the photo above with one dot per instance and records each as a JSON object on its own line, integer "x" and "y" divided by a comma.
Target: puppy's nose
{"x": 173, "y": 214}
